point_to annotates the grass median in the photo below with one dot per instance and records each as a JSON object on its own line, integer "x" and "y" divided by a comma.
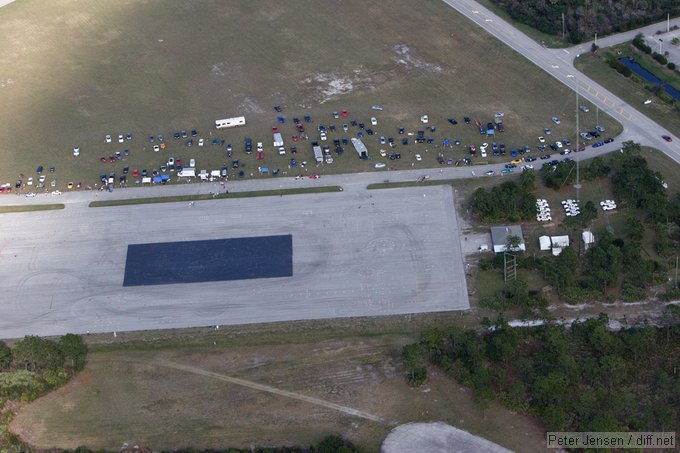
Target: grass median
{"x": 221, "y": 196}
{"x": 30, "y": 208}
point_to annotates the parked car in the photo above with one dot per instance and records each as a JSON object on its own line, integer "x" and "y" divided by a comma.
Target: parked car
{"x": 555, "y": 119}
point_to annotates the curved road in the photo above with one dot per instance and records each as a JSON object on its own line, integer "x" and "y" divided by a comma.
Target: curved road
{"x": 559, "y": 63}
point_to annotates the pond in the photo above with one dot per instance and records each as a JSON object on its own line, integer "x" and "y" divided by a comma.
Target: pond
{"x": 648, "y": 76}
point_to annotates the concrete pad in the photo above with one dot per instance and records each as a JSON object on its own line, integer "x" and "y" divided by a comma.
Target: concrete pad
{"x": 367, "y": 253}
{"x": 436, "y": 437}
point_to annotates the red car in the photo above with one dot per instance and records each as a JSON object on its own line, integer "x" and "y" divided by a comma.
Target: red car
{"x": 300, "y": 128}
{"x": 667, "y": 138}
{"x": 135, "y": 173}
{"x": 112, "y": 159}
{"x": 344, "y": 113}
{"x": 314, "y": 176}
{"x": 102, "y": 159}
{"x": 295, "y": 138}
{"x": 275, "y": 130}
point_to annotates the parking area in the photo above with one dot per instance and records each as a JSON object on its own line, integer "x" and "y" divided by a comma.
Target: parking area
{"x": 360, "y": 253}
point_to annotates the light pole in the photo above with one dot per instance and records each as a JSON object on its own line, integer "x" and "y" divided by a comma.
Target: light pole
{"x": 577, "y": 186}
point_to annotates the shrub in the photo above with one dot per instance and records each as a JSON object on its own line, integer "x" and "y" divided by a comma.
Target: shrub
{"x": 23, "y": 384}
{"x": 660, "y": 58}
{"x": 671, "y": 65}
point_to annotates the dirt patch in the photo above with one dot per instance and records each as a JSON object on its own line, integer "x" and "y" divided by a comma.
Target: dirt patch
{"x": 281, "y": 393}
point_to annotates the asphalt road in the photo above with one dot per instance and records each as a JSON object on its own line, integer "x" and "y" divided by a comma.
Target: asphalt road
{"x": 355, "y": 253}
{"x": 559, "y": 64}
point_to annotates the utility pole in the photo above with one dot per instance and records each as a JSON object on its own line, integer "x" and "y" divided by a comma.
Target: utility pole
{"x": 668, "y": 23}
{"x": 563, "y": 28}
{"x": 577, "y": 186}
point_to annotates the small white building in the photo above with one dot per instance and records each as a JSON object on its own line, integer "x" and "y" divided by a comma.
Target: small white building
{"x": 500, "y": 234}
{"x": 544, "y": 242}
{"x": 588, "y": 238}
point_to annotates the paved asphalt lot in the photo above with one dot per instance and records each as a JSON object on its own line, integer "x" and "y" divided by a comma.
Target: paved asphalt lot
{"x": 355, "y": 253}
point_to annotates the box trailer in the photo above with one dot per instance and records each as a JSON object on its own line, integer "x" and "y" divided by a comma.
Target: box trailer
{"x": 230, "y": 122}
{"x": 188, "y": 172}
{"x": 360, "y": 147}
{"x": 318, "y": 154}
{"x": 278, "y": 140}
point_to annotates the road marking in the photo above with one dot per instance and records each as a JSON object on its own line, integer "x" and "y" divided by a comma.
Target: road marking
{"x": 565, "y": 51}
{"x": 488, "y": 20}
{"x": 474, "y": 11}
{"x": 555, "y": 66}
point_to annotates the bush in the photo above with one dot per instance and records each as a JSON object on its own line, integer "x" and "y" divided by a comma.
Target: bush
{"x": 660, "y": 58}
{"x": 671, "y": 65}
{"x": 23, "y": 384}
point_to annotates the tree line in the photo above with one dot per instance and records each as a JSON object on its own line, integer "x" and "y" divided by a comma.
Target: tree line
{"x": 35, "y": 365}
{"x": 617, "y": 265}
{"x": 583, "y": 18}
{"x": 583, "y": 378}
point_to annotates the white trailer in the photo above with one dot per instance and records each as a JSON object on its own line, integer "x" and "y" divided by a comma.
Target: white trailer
{"x": 278, "y": 140}
{"x": 230, "y": 122}
{"x": 318, "y": 155}
{"x": 188, "y": 172}
{"x": 360, "y": 147}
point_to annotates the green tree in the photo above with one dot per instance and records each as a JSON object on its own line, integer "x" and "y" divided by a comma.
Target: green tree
{"x": 588, "y": 213}
{"x": 36, "y": 353}
{"x": 74, "y": 350}
{"x": 5, "y": 356}
{"x": 634, "y": 228}
{"x": 513, "y": 243}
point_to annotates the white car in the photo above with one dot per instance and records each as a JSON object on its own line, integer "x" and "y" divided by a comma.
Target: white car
{"x": 490, "y": 173}
{"x": 323, "y": 136}
{"x": 156, "y": 148}
{"x": 41, "y": 179}
{"x": 556, "y": 119}
{"x": 192, "y": 163}
{"x": 171, "y": 161}
{"x": 29, "y": 182}
{"x": 380, "y": 165}
{"x": 260, "y": 147}
{"x": 541, "y": 139}
{"x": 527, "y": 167}
{"x": 558, "y": 144}
{"x": 57, "y": 192}
{"x": 30, "y": 194}
{"x": 374, "y": 121}
{"x": 200, "y": 142}
{"x": 419, "y": 157}
{"x": 483, "y": 146}
{"x": 108, "y": 139}
{"x": 483, "y": 152}
{"x": 329, "y": 159}
{"x": 383, "y": 153}
{"x": 120, "y": 138}
{"x": 425, "y": 119}
{"x": 76, "y": 151}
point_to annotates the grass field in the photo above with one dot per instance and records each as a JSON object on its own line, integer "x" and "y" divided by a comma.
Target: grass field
{"x": 156, "y": 67}
{"x": 635, "y": 94}
{"x": 157, "y": 405}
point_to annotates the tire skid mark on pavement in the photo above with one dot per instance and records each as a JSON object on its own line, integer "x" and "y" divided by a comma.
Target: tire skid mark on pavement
{"x": 265, "y": 388}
